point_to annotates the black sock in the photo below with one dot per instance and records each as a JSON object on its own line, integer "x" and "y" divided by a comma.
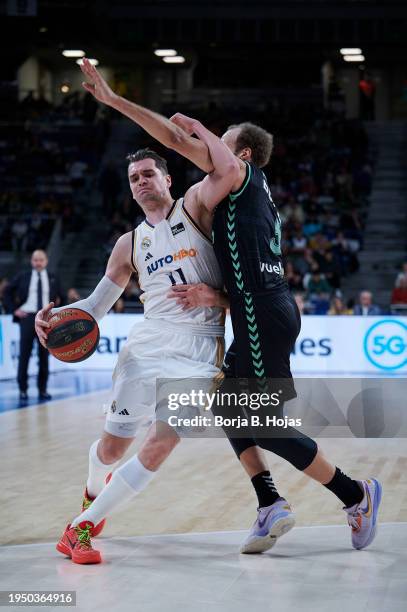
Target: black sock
{"x": 348, "y": 490}
{"x": 265, "y": 489}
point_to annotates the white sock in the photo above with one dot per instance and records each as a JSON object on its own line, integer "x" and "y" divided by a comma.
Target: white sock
{"x": 98, "y": 471}
{"x": 131, "y": 478}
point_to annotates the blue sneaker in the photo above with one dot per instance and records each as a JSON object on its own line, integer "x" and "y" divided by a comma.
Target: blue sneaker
{"x": 271, "y": 523}
{"x": 363, "y": 517}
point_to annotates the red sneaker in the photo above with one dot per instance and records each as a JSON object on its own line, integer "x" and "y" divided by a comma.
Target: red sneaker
{"x": 86, "y": 502}
{"x": 75, "y": 543}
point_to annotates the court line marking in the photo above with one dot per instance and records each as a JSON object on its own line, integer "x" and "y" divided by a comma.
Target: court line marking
{"x": 189, "y": 534}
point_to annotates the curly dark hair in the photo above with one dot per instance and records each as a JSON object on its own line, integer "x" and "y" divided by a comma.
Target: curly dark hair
{"x": 149, "y": 154}
{"x": 259, "y": 141}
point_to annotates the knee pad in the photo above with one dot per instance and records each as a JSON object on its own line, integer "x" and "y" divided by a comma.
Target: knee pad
{"x": 300, "y": 451}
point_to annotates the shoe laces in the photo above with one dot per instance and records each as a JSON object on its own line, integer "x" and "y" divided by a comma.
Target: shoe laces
{"x": 86, "y": 503}
{"x": 354, "y": 518}
{"x": 84, "y": 536}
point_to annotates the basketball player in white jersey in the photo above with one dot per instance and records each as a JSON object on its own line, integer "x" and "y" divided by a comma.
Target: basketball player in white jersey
{"x": 167, "y": 248}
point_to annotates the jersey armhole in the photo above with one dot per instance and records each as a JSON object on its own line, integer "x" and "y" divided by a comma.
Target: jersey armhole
{"x": 235, "y": 194}
{"x": 133, "y": 252}
{"x": 194, "y": 224}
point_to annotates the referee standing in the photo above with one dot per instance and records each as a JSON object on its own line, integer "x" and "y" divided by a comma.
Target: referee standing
{"x": 24, "y": 297}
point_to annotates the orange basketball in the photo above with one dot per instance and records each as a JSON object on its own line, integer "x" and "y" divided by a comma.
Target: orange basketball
{"x": 73, "y": 336}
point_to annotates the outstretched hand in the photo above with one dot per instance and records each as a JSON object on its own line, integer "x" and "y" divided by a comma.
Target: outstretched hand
{"x": 96, "y": 84}
{"x": 41, "y": 323}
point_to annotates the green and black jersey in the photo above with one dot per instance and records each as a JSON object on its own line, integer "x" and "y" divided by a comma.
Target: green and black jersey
{"x": 247, "y": 238}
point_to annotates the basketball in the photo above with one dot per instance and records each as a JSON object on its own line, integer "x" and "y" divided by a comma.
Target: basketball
{"x": 73, "y": 336}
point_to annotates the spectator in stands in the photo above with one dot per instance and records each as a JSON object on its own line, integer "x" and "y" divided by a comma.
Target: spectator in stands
{"x": 318, "y": 287}
{"x": 338, "y": 307}
{"x": 367, "y": 92}
{"x": 330, "y": 268}
{"x": 399, "y": 294}
{"x": 401, "y": 276}
{"x": 27, "y": 293}
{"x": 365, "y": 306}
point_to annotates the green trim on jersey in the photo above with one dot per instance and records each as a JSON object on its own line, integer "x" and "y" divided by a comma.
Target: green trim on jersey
{"x": 255, "y": 349}
{"x": 235, "y": 195}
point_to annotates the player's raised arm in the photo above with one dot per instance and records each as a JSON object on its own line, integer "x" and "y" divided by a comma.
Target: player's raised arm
{"x": 162, "y": 129}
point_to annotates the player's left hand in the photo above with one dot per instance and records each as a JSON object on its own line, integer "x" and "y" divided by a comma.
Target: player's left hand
{"x": 185, "y": 123}
{"x": 96, "y": 84}
{"x": 192, "y": 296}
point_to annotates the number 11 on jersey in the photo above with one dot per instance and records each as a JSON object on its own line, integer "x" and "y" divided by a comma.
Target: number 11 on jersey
{"x": 181, "y": 275}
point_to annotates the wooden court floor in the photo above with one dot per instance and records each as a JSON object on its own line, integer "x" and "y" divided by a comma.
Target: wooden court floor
{"x": 202, "y": 487}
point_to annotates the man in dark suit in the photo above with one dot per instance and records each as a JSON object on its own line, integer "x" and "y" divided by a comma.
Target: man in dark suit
{"x": 365, "y": 307}
{"x": 27, "y": 293}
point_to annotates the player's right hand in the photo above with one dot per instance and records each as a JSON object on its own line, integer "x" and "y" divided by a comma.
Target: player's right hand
{"x": 96, "y": 84}
{"x": 41, "y": 323}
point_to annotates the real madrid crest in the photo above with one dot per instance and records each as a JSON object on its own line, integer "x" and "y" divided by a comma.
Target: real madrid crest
{"x": 145, "y": 243}
{"x": 113, "y": 407}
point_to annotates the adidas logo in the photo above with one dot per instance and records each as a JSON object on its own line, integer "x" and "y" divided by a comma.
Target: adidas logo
{"x": 148, "y": 256}
{"x": 124, "y": 412}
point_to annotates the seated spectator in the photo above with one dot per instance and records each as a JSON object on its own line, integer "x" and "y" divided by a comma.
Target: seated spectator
{"x": 343, "y": 249}
{"x": 293, "y": 278}
{"x": 399, "y": 294}
{"x": 318, "y": 287}
{"x": 331, "y": 269}
{"x": 401, "y": 276}
{"x": 312, "y": 226}
{"x": 338, "y": 307}
{"x": 365, "y": 306}
{"x": 298, "y": 241}
{"x": 299, "y": 299}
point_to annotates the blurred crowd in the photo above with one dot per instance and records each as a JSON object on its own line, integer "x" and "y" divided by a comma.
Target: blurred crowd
{"x": 320, "y": 176}
{"x": 46, "y": 154}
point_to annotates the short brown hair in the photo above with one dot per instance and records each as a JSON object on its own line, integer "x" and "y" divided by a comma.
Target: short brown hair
{"x": 259, "y": 141}
{"x": 149, "y": 154}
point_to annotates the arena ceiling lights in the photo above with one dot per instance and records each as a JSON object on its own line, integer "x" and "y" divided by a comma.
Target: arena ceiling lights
{"x": 175, "y": 59}
{"x": 73, "y": 53}
{"x": 354, "y": 58}
{"x": 165, "y": 52}
{"x": 351, "y": 51}
{"x": 352, "y": 54}
{"x": 92, "y": 61}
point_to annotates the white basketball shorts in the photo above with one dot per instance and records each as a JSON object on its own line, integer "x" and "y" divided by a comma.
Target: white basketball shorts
{"x": 157, "y": 349}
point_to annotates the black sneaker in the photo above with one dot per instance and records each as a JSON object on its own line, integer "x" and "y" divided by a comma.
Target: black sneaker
{"x": 43, "y": 395}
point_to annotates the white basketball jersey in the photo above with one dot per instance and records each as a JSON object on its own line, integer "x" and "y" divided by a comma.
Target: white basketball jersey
{"x": 175, "y": 252}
